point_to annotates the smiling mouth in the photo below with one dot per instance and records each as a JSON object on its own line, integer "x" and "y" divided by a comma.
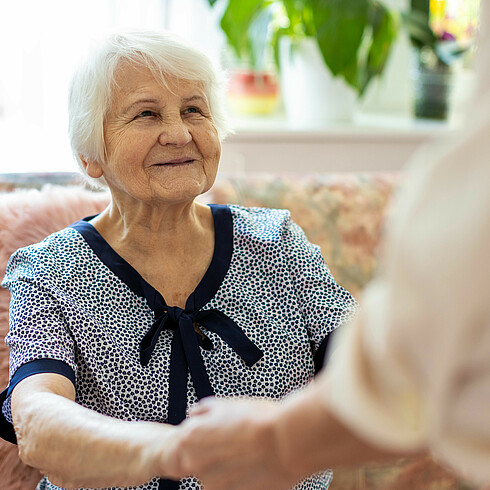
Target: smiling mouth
{"x": 176, "y": 162}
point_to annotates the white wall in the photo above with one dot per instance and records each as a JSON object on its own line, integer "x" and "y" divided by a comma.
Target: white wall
{"x": 41, "y": 43}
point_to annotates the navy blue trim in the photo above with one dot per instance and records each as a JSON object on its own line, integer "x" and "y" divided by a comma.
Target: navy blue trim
{"x": 168, "y": 484}
{"x": 109, "y": 257}
{"x": 223, "y": 251}
{"x": 7, "y": 432}
{"x": 38, "y": 366}
{"x": 319, "y": 357}
{"x": 205, "y": 290}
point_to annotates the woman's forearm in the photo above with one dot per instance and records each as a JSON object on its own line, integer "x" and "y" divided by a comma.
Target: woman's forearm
{"x": 77, "y": 447}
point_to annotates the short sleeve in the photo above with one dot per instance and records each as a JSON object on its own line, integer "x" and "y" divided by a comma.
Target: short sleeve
{"x": 39, "y": 339}
{"x": 324, "y": 304}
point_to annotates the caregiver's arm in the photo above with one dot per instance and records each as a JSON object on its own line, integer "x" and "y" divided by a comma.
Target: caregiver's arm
{"x": 75, "y": 446}
{"x": 306, "y": 426}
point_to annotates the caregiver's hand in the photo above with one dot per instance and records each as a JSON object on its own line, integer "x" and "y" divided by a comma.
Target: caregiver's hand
{"x": 232, "y": 444}
{"x": 259, "y": 445}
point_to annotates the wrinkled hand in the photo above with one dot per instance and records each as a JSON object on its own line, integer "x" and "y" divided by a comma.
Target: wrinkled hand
{"x": 230, "y": 445}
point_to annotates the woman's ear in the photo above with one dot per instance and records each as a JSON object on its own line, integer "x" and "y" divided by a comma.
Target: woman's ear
{"x": 92, "y": 167}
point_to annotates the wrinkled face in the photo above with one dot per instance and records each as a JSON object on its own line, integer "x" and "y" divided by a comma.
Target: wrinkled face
{"x": 161, "y": 144}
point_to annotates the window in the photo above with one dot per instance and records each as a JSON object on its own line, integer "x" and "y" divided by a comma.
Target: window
{"x": 41, "y": 43}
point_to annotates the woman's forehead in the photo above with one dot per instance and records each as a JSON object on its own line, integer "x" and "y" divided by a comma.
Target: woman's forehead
{"x": 134, "y": 81}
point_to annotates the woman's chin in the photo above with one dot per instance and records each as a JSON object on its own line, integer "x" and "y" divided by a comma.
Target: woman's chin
{"x": 179, "y": 191}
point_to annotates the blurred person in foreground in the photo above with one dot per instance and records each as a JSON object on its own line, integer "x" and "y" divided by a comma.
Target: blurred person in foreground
{"x": 122, "y": 321}
{"x": 412, "y": 372}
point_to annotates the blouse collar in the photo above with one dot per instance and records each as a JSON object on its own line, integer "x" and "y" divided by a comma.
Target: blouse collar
{"x": 207, "y": 287}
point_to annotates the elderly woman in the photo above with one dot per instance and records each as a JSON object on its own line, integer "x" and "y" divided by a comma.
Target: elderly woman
{"x": 122, "y": 321}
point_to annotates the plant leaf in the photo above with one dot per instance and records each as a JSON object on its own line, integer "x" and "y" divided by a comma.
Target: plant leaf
{"x": 258, "y": 38}
{"x": 418, "y": 28}
{"x": 236, "y": 21}
{"x": 293, "y": 10}
{"x": 421, "y": 6}
{"x": 384, "y": 32}
{"x": 339, "y": 27}
{"x": 449, "y": 51}
{"x": 211, "y": 2}
{"x": 353, "y": 76}
{"x": 276, "y": 36}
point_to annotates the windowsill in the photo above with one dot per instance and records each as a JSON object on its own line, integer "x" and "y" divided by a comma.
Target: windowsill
{"x": 370, "y": 143}
{"x": 374, "y": 127}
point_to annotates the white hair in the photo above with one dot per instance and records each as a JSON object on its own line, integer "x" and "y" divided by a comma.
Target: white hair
{"x": 165, "y": 55}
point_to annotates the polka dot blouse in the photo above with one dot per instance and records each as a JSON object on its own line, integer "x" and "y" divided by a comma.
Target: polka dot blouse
{"x": 256, "y": 325}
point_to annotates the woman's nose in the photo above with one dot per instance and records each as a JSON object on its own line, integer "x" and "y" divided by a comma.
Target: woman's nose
{"x": 175, "y": 132}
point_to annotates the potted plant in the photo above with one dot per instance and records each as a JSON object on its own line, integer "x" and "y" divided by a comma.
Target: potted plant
{"x": 436, "y": 52}
{"x": 348, "y": 40}
{"x": 253, "y": 87}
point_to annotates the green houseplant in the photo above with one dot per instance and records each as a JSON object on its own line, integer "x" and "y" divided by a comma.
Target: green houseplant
{"x": 435, "y": 55}
{"x": 354, "y": 37}
{"x": 253, "y": 86}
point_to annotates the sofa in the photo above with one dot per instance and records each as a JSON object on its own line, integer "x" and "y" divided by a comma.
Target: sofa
{"x": 343, "y": 213}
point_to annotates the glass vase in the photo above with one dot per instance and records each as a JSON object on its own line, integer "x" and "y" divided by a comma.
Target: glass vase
{"x": 432, "y": 82}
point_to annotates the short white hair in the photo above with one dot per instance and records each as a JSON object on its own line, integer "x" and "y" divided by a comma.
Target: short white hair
{"x": 165, "y": 55}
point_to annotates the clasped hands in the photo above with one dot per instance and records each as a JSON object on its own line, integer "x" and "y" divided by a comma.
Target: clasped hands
{"x": 230, "y": 444}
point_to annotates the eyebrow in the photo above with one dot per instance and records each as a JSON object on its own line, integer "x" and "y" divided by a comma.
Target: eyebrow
{"x": 139, "y": 102}
{"x": 186, "y": 100}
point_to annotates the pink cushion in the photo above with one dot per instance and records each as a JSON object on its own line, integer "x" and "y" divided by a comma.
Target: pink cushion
{"x": 27, "y": 217}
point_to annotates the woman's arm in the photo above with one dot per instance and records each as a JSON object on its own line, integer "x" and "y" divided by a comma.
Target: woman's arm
{"x": 77, "y": 447}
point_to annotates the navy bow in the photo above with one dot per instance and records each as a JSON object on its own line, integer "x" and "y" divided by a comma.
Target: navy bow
{"x": 185, "y": 353}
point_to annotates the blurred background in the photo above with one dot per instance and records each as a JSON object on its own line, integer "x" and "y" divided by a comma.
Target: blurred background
{"x": 352, "y": 87}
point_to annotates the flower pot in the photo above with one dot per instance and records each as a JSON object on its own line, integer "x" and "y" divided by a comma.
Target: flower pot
{"x": 312, "y": 96}
{"x": 432, "y": 88}
{"x": 252, "y": 92}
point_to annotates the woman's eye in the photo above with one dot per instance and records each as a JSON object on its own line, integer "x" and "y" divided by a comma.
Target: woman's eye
{"x": 192, "y": 110}
{"x": 146, "y": 114}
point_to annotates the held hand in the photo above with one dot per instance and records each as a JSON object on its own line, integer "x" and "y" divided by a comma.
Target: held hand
{"x": 230, "y": 445}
